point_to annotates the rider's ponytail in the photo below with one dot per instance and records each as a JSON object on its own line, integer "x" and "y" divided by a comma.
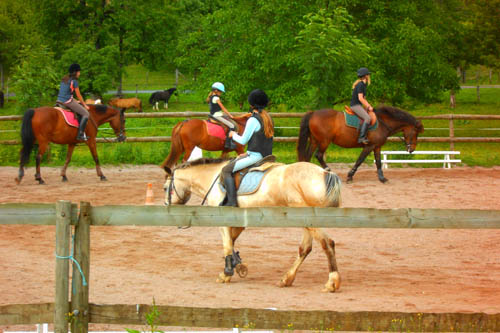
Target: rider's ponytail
{"x": 268, "y": 124}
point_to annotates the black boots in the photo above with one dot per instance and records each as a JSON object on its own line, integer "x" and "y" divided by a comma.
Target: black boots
{"x": 229, "y": 143}
{"x": 230, "y": 199}
{"x": 362, "y": 133}
{"x": 81, "y": 130}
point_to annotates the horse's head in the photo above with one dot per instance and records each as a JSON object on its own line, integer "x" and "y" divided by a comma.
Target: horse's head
{"x": 411, "y": 133}
{"x": 106, "y": 114}
{"x": 177, "y": 189}
{"x": 117, "y": 123}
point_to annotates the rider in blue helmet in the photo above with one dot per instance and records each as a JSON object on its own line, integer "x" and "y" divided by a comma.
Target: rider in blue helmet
{"x": 217, "y": 111}
{"x": 359, "y": 104}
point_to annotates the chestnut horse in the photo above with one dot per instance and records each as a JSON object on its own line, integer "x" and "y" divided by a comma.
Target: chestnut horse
{"x": 319, "y": 128}
{"x": 299, "y": 184}
{"x": 194, "y": 133}
{"x": 126, "y": 103}
{"x": 47, "y": 124}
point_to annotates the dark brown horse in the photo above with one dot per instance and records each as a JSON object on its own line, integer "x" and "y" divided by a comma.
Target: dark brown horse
{"x": 319, "y": 128}
{"x": 47, "y": 124}
{"x": 193, "y": 133}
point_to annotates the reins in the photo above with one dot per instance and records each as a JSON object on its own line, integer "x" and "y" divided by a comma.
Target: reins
{"x": 210, "y": 189}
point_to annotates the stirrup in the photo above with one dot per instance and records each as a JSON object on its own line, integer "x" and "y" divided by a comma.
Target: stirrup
{"x": 82, "y": 137}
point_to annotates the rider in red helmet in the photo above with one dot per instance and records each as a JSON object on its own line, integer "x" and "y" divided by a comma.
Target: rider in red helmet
{"x": 69, "y": 84}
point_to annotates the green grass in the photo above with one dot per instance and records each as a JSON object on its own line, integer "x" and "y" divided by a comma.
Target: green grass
{"x": 472, "y": 154}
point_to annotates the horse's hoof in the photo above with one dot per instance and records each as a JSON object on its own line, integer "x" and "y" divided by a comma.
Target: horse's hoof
{"x": 328, "y": 169}
{"x": 242, "y": 270}
{"x": 223, "y": 278}
{"x": 103, "y": 178}
{"x": 384, "y": 180}
{"x": 64, "y": 178}
{"x": 41, "y": 182}
{"x": 348, "y": 181}
{"x": 333, "y": 283}
{"x": 18, "y": 181}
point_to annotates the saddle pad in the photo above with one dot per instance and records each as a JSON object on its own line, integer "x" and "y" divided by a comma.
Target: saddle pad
{"x": 69, "y": 117}
{"x": 250, "y": 183}
{"x": 215, "y": 130}
{"x": 354, "y": 121}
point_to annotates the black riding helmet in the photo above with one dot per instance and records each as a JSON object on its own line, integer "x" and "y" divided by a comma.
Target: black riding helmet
{"x": 73, "y": 68}
{"x": 363, "y": 71}
{"x": 258, "y": 99}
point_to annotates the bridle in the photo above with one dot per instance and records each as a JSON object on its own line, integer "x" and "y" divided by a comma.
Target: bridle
{"x": 391, "y": 131}
{"x": 120, "y": 137}
{"x": 171, "y": 189}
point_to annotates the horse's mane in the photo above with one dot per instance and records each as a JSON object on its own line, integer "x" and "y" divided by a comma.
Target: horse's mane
{"x": 101, "y": 108}
{"x": 201, "y": 161}
{"x": 396, "y": 113}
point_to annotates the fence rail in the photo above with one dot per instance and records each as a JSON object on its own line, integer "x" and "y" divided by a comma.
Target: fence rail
{"x": 451, "y": 139}
{"x": 64, "y": 214}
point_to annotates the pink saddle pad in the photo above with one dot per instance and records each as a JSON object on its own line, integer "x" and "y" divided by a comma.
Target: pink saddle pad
{"x": 215, "y": 130}
{"x": 69, "y": 117}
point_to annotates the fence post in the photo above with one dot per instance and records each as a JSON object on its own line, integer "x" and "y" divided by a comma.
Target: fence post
{"x": 452, "y": 133}
{"x": 80, "y": 295}
{"x": 63, "y": 226}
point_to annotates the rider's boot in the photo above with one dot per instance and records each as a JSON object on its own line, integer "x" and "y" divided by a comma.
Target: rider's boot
{"x": 362, "y": 133}
{"x": 229, "y": 143}
{"x": 81, "y": 129}
{"x": 230, "y": 186}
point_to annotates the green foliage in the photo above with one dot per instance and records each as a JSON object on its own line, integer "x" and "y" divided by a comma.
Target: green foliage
{"x": 35, "y": 78}
{"x": 151, "y": 319}
{"x": 98, "y": 67}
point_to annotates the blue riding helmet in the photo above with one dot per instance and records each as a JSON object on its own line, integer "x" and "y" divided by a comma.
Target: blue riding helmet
{"x": 218, "y": 86}
{"x": 363, "y": 71}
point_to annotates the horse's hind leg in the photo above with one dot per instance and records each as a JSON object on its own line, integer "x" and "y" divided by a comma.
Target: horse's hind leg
{"x": 328, "y": 246}
{"x": 42, "y": 147}
{"x": 69, "y": 153}
{"x": 229, "y": 236}
{"x": 367, "y": 150}
{"x": 304, "y": 250}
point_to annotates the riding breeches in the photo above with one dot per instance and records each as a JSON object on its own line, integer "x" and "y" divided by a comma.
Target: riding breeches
{"x": 361, "y": 113}
{"x": 219, "y": 116}
{"x": 78, "y": 108}
{"x": 241, "y": 163}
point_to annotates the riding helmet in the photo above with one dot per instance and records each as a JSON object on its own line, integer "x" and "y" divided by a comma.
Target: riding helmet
{"x": 74, "y": 68}
{"x": 218, "y": 86}
{"x": 363, "y": 71}
{"x": 258, "y": 99}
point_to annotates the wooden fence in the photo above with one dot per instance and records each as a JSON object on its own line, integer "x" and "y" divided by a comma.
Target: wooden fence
{"x": 193, "y": 114}
{"x": 64, "y": 215}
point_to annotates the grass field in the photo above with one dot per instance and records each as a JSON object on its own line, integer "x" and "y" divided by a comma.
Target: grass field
{"x": 472, "y": 154}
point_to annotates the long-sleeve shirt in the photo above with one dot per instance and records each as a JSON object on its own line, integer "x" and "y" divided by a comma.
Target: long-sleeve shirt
{"x": 252, "y": 126}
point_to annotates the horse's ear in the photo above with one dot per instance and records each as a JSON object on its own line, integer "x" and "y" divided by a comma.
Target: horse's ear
{"x": 167, "y": 170}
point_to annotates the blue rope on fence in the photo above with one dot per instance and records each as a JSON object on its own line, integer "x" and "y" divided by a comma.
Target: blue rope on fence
{"x": 74, "y": 260}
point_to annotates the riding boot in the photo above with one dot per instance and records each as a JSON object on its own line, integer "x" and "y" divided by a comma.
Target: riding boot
{"x": 229, "y": 143}
{"x": 81, "y": 130}
{"x": 230, "y": 192}
{"x": 362, "y": 133}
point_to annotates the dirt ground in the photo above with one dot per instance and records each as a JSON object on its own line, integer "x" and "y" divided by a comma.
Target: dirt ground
{"x": 382, "y": 269}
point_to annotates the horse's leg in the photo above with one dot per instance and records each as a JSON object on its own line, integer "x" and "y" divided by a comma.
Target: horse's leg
{"x": 304, "y": 249}
{"x": 328, "y": 246}
{"x": 367, "y": 150}
{"x": 42, "y": 147}
{"x": 227, "y": 243}
{"x": 320, "y": 155}
{"x": 93, "y": 150}
{"x": 71, "y": 147}
{"x": 378, "y": 163}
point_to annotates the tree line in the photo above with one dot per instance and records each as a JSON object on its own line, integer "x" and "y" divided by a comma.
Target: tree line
{"x": 302, "y": 53}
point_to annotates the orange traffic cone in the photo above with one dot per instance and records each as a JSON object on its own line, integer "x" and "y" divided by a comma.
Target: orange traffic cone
{"x": 150, "y": 200}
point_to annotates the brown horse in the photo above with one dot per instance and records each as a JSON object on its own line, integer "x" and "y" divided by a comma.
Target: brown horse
{"x": 47, "y": 124}
{"x": 194, "y": 133}
{"x": 319, "y": 128}
{"x": 126, "y": 103}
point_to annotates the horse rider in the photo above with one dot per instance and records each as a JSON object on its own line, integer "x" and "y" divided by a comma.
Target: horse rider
{"x": 69, "y": 84}
{"x": 259, "y": 132}
{"x": 359, "y": 104}
{"x": 217, "y": 111}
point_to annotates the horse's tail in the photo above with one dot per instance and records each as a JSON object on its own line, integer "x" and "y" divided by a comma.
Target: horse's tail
{"x": 332, "y": 185}
{"x": 304, "y": 151}
{"x": 176, "y": 147}
{"x": 27, "y": 136}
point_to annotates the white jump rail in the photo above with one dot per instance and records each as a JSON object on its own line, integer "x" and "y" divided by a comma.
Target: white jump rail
{"x": 447, "y": 160}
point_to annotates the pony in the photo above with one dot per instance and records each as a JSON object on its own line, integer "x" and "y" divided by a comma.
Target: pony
{"x": 158, "y": 96}
{"x": 300, "y": 184}
{"x": 319, "y": 128}
{"x": 126, "y": 103}
{"x": 192, "y": 133}
{"x": 47, "y": 124}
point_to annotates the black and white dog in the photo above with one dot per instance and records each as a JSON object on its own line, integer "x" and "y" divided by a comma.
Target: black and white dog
{"x": 158, "y": 96}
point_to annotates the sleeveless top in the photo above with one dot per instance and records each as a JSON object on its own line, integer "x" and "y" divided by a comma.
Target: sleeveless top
{"x": 259, "y": 142}
{"x": 214, "y": 107}
{"x": 66, "y": 90}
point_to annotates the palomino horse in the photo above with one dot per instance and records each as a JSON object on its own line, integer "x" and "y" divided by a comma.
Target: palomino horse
{"x": 47, "y": 124}
{"x": 194, "y": 133}
{"x": 299, "y": 184}
{"x": 319, "y": 128}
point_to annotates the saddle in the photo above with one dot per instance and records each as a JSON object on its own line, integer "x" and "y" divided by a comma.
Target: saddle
{"x": 213, "y": 120}
{"x": 372, "y": 115}
{"x": 249, "y": 180}
{"x": 72, "y": 118}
